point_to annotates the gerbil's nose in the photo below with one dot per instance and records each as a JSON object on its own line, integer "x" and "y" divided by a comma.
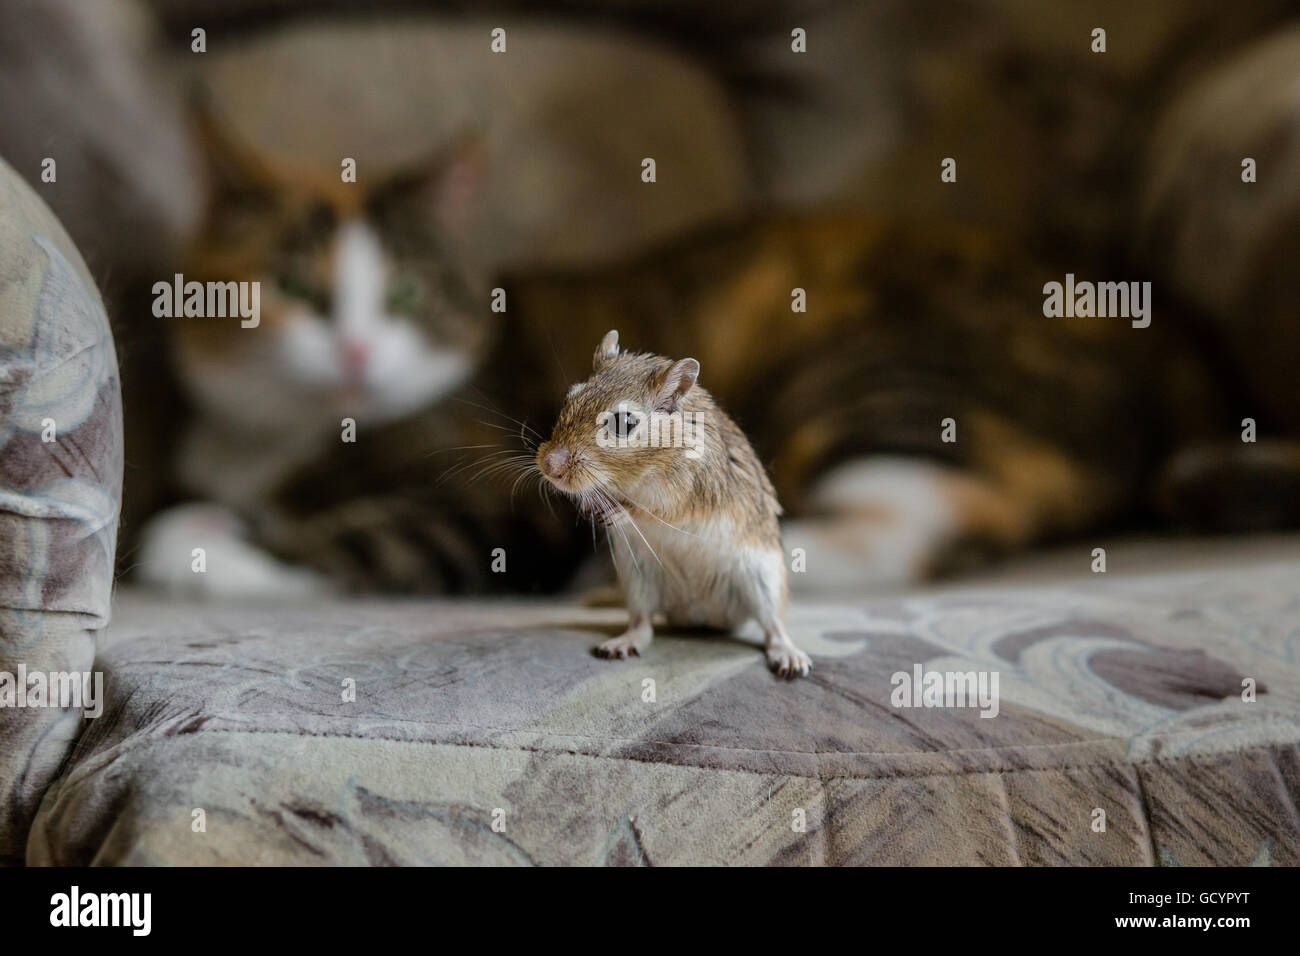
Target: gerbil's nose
{"x": 555, "y": 462}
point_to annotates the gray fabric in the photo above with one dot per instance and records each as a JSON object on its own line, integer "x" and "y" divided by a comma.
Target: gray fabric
{"x": 59, "y": 497}
{"x": 1119, "y": 692}
{"x": 79, "y": 85}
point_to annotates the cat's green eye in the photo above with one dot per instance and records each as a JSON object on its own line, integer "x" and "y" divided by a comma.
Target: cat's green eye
{"x": 404, "y": 295}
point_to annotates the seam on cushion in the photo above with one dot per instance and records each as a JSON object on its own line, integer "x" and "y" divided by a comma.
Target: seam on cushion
{"x": 1289, "y": 710}
{"x": 1065, "y": 744}
{"x": 955, "y": 772}
{"x": 99, "y": 522}
{"x": 1285, "y": 791}
{"x": 1007, "y": 819}
{"x": 1146, "y": 816}
{"x": 42, "y": 371}
{"x": 609, "y": 739}
{"x": 47, "y": 609}
{"x": 101, "y": 619}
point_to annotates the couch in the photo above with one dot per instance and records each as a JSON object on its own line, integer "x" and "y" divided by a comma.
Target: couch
{"x": 1148, "y": 715}
{"x": 489, "y": 734}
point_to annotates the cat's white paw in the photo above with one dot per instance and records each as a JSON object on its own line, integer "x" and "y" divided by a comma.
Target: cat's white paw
{"x": 890, "y": 517}
{"x": 228, "y": 566}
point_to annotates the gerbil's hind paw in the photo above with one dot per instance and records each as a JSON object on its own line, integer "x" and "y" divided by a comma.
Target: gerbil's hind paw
{"x": 621, "y": 647}
{"x": 788, "y": 662}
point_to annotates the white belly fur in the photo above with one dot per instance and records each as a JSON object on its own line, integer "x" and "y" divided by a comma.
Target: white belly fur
{"x": 699, "y": 578}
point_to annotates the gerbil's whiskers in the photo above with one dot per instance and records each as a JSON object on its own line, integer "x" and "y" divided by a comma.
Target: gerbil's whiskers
{"x": 462, "y": 465}
{"x": 659, "y": 519}
{"x": 527, "y": 472}
{"x": 491, "y": 465}
{"x": 508, "y": 460}
{"x": 627, "y": 544}
{"x": 529, "y": 443}
{"x": 492, "y": 409}
{"x": 610, "y": 500}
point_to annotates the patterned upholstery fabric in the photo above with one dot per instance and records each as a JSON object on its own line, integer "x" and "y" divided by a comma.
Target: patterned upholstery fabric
{"x": 60, "y": 484}
{"x": 1120, "y": 692}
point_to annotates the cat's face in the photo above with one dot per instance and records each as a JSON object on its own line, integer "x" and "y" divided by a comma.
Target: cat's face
{"x": 363, "y": 312}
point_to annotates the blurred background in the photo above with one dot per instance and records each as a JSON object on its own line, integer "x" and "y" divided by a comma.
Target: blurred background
{"x": 1129, "y": 156}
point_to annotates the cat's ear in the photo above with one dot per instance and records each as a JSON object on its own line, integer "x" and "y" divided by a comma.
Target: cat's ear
{"x": 232, "y": 171}
{"x": 606, "y": 351}
{"x": 678, "y": 380}
{"x": 458, "y": 181}
{"x": 443, "y": 189}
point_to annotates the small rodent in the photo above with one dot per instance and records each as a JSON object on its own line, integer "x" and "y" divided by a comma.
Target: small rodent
{"x": 691, "y": 516}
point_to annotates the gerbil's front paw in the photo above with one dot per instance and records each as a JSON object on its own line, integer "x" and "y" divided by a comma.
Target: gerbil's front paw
{"x": 621, "y": 647}
{"x": 788, "y": 662}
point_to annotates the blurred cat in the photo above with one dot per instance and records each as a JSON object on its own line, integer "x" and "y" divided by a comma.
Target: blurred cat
{"x": 367, "y": 313}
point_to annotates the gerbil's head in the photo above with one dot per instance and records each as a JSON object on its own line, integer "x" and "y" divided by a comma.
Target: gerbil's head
{"x": 638, "y": 418}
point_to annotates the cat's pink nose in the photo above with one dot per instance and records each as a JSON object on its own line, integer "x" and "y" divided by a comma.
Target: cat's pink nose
{"x": 555, "y": 462}
{"x": 355, "y": 357}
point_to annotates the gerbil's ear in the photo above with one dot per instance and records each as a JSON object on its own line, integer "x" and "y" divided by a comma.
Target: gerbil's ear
{"x": 606, "y": 351}
{"x": 679, "y": 380}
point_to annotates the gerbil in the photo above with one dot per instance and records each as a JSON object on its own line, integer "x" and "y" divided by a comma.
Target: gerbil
{"x": 690, "y": 514}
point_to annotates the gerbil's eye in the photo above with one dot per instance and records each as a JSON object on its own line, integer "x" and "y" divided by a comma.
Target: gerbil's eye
{"x": 625, "y": 423}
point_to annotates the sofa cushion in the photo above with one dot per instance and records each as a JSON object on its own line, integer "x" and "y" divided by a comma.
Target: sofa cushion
{"x": 60, "y": 483}
{"x": 488, "y": 733}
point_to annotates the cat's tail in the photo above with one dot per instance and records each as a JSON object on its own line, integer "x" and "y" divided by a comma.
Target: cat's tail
{"x": 1244, "y": 486}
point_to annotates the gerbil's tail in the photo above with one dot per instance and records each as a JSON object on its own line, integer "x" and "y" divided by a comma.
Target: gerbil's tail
{"x": 1247, "y": 486}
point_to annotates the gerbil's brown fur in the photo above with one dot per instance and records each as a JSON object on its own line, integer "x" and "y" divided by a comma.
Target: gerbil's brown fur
{"x": 692, "y": 516}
